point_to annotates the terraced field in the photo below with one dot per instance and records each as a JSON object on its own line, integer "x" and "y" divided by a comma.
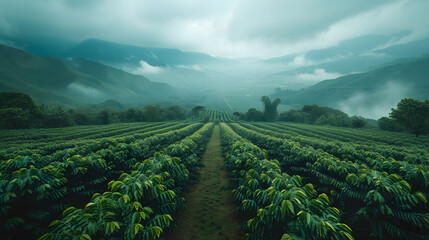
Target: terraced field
{"x": 237, "y": 180}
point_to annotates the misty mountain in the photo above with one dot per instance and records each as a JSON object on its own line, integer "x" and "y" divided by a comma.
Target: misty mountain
{"x": 182, "y": 70}
{"x": 350, "y": 56}
{"x": 127, "y": 55}
{"x": 370, "y": 94}
{"x": 344, "y": 49}
{"x": 73, "y": 81}
{"x": 187, "y": 79}
{"x": 308, "y": 75}
{"x": 41, "y": 46}
{"x": 411, "y": 49}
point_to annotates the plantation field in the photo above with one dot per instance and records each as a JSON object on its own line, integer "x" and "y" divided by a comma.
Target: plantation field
{"x": 286, "y": 181}
{"x": 216, "y": 115}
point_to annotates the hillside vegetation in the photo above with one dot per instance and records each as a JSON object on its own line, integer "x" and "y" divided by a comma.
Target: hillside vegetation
{"x": 73, "y": 81}
{"x": 120, "y": 54}
{"x": 404, "y": 79}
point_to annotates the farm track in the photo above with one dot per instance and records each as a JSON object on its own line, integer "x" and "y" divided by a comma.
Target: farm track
{"x": 210, "y": 210}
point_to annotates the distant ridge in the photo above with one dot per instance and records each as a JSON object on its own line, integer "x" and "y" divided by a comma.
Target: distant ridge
{"x": 409, "y": 78}
{"x": 351, "y": 56}
{"x": 73, "y": 81}
{"x": 113, "y": 53}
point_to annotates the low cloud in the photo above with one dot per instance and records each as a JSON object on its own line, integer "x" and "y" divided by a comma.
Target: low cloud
{"x": 319, "y": 74}
{"x": 300, "y": 61}
{"x": 195, "y": 67}
{"x": 146, "y": 68}
{"x": 378, "y": 103}
{"x": 154, "y": 56}
{"x": 88, "y": 91}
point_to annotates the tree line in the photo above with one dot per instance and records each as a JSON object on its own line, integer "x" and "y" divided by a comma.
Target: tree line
{"x": 18, "y": 111}
{"x": 410, "y": 116}
{"x": 310, "y": 114}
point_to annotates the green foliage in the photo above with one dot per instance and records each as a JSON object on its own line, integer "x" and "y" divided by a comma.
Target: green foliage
{"x": 275, "y": 201}
{"x": 65, "y": 81}
{"x": 314, "y": 114}
{"x": 254, "y": 115}
{"x": 103, "y": 117}
{"x": 389, "y": 124}
{"x": 358, "y": 122}
{"x": 175, "y": 113}
{"x": 197, "y": 111}
{"x": 212, "y": 115}
{"x": 125, "y": 181}
{"x": 322, "y": 120}
{"x": 413, "y": 115}
{"x": 270, "y": 108}
{"x": 35, "y": 188}
{"x": 132, "y": 115}
{"x": 137, "y": 204}
{"x": 18, "y": 100}
{"x": 27, "y": 115}
{"x": 269, "y": 114}
{"x": 292, "y": 115}
{"x": 152, "y": 112}
{"x": 14, "y": 118}
{"x": 17, "y": 110}
{"x": 380, "y": 195}
{"x": 55, "y": 117}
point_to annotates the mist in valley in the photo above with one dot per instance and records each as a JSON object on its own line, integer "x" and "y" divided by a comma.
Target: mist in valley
{"x": 378, "y": 102}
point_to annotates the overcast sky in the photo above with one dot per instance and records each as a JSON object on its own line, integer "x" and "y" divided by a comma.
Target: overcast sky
{"x": 228, "y": 28}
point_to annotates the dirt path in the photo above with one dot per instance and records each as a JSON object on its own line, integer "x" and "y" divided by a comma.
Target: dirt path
{"x": 210, "y": 210}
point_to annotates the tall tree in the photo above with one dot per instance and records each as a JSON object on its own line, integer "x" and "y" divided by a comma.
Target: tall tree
{"x": 413, "y": 115}
{"x": 103, "y": 117}
{"x": 389, "y": 124}
{"x": 17, "y": 110}
{"x": 270, "y": 108}
{"x": 358, "y": 122}
{"x": 196, "y": 111}
{"x": 153, "y": 113}
{"x": 254, "y": 115}
{"x": 175, "y": 112}
{"x": 55, "y": 116}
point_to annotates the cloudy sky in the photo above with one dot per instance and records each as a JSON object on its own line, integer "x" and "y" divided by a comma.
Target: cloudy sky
{"x": 228, "y": 28}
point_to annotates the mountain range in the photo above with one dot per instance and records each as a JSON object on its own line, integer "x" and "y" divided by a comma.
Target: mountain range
{"x": 351, "y": 56}
{"x": 120, "y": 54}
{"x": 372, "y": 93}
{"x": 368, "y": 75}
{"x": 74, "y": 81}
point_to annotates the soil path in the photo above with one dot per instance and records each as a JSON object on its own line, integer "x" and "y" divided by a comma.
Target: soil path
{"x": 209, "y": 210}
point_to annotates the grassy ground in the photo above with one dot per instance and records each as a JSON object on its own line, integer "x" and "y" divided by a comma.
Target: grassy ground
{"x": 210, "y": 210}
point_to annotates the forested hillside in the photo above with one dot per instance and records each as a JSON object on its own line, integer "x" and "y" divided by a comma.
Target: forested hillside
{"x": 73, "y": 81}
{"x": 380, "y": 87}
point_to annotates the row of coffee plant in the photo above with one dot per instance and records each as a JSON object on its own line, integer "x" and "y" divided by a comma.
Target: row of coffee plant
{"x": 35, "y": 188}
{"x": 375, "y": 203}
{"x": 277, "y": 205}
{"x": 138, "y": 204}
